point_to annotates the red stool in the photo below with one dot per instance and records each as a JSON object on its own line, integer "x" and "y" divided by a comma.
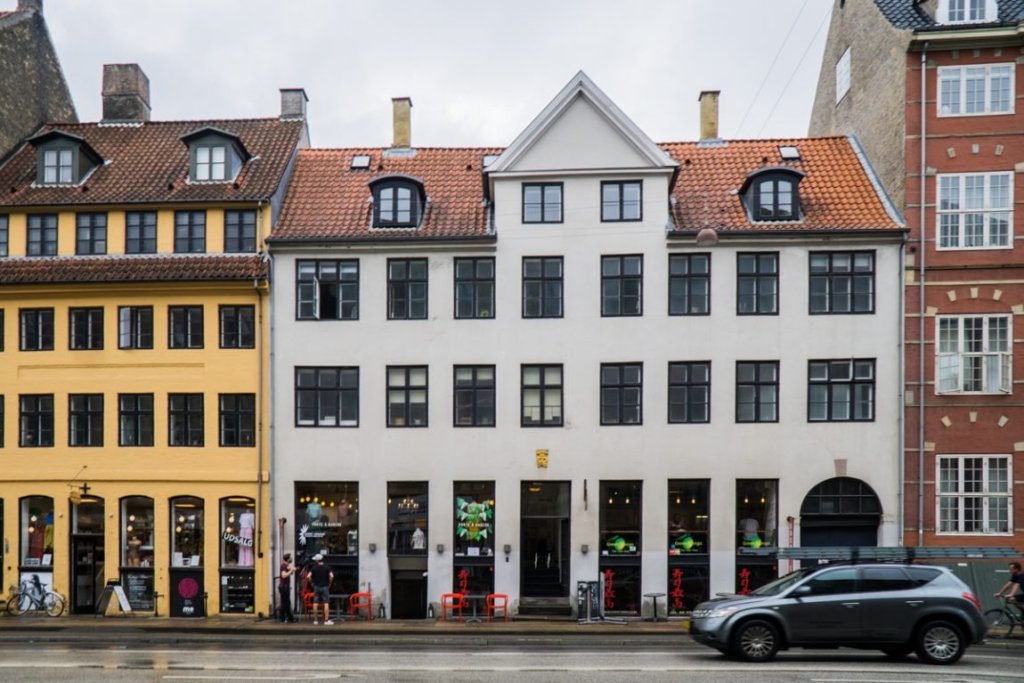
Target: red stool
{"x": 453, "y": 602}
{"x": 358, "y": 601}
{"x": 496, "y": 601}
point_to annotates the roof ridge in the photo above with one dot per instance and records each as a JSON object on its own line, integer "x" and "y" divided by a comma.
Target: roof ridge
{"x": 254, "y": 119}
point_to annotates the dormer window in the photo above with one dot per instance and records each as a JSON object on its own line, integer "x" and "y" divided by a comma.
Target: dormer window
{"x": 211, "y": 163}
{"x": 397, "y": 203}
{"x": 215, "y": 155}
{"x": 773, "y": 195}
{"x": 57, "y": 165}
{"x": 63, "y": 159}
{"x": 966, "y": 11}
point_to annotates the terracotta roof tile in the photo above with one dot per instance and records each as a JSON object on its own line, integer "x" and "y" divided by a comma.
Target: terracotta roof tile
{"x": 149, "y": 268}
{"x": 148, "y": 163}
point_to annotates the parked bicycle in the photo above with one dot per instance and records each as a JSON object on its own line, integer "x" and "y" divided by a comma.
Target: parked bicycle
{"x": 32, "y": 597}
{"x": 1009, "y": 616}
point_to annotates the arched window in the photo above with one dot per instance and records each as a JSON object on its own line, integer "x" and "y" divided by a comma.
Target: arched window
{"x": 187, "y": 532}
{"x": 772, "y": 194}
{"x": 397, "y": 203}
{"x": 841, "y": 496}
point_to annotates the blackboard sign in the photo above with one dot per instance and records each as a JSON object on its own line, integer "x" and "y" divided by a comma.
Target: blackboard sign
{"x": 138, "y": 586}
{"x": 588, "y": 591}
{"x": 187, "y": 599}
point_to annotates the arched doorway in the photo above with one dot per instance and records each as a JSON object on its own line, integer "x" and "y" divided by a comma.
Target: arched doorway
{"x": 842, "y": 511}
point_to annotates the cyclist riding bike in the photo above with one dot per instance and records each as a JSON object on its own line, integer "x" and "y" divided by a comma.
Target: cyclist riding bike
{"x": 1013, "y": 590}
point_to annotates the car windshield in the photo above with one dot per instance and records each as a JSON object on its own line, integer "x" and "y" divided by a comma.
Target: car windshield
{"x": 782, "y": 583}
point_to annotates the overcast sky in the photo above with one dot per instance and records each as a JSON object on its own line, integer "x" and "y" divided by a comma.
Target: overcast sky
{"x": 478, "y": 71}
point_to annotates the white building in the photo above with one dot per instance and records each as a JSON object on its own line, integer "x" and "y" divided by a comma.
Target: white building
{"x": 512, "y": 370}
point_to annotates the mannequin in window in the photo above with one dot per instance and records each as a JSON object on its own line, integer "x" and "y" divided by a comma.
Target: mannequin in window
{"x": 133, "y": 559}
{"x": 246, "y": 524}
{"x": 419, "y": 539}
{"x": 749, "y": 527}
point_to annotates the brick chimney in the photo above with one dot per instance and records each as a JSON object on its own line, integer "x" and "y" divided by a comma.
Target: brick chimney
{"x": 30, "y": 6}
{"x": 402, "y": 112}
{"x": 708, "y": 114}
{"x": 293, "y": 103}
{"x": 125, "y": 93}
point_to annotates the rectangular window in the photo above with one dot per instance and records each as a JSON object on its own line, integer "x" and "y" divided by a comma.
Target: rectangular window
{"x": 240, "y": 232}
{"x": 211, "y": 163}
{"x": 36, "y": 421}
{"x": 140, "y": 232}
{"x": 91, "y": 233}
{"x": 185, "y": 324}
{"x": 622, "y": 393}
{"x": 237, "y": 327}
{"x": 474, "y": 287}
{"x": 474, "y": 396}
{"x": 757, "y": 391}
{"x": 841, "y": 390}
{"x": 542, "y": 287}
{"x": 842, "y": 282}
{"x": 189, "y": 232}
{"x": 757, "y": 284}
{"x": 238, "y": 419}
{"x": 36, "y": 329}
{"x": 86, "y": 331}
{"x": 326, "y": 397}
{"x": 85, "y": 412}
{"x": 541, "y": 396}
{"x": 975, "y": 494}
{"x": 975, "y": 211}
{"x": 976, "y": 90}
{"x": 689, "y": 284}
{"x": 843, "y": 76}
{"x": 622, "y": 284}
{"x": 58, "y": 165}
{"x": 407, "y": 289}
{"x": 185, "y": 419}
{"x": 622, "y": 201}
{"x": 407, "y": 396}
{"x": 135, "y": 327}
{"x": 42, "y": 235}
{"x": 757, "y": 526}
{"x": 327, "y": 290}
{"x": 974, "y": 355}
{"x": 135, "y": 419}
{"x": 542, "y": 202}
{"x": 5, "y": 235}
{"x": 689, "y": 392}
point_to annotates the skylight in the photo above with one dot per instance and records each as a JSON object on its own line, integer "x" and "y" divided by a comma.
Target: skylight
{"x": 360, "y": 161}
{"x": 789, "y": 153}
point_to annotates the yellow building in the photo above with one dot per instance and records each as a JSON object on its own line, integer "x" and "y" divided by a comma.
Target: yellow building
{"x": 133, "y": 372}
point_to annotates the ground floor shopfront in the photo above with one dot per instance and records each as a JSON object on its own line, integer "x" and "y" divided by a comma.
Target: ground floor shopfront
{"x": 673, "y": 542}
{"x": 185, "y": 549}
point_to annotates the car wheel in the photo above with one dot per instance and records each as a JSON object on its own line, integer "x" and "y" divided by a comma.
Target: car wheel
{"x": 755, "y": 641}
{"x": 939, "y": 642}
{"x": 897, "y": 650}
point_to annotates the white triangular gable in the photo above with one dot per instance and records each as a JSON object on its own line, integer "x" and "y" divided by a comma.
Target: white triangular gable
{"x": 581, "y": 129}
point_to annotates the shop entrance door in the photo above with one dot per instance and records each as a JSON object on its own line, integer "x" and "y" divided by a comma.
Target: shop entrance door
{"x": 86, "y": 572}
{"x": 544, "y": 536}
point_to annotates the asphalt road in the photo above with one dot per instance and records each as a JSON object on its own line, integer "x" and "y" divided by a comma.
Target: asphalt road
{"x": 469, "y": 661}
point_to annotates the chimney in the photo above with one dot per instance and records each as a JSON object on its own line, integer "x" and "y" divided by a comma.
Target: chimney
{"x": 30, "y": 6}
{"x": 708, "y": 114}
{"x": 402, "y": 111}
{"x": 125, "y": 93}
{"x": 293, "y": 103}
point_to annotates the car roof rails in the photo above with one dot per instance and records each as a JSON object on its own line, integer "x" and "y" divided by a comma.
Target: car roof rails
{"x": 859, "y": 554}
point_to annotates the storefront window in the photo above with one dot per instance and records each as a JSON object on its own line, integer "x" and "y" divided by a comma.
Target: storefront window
{"x": 327, "y": 522}
{"x": 137, "y": 551}
{"x": 186, "y": 532}
{"x": 407, "y": 518}
{"x": 620, "y": 525}
{"x": 237, "y": 531}
{"x": 474, "y": 518}
{"x": 757, "y": 513}
{"x": 87, "y": 516}
{"x": 37, "y": 531}
{"x": 688, "y": 565}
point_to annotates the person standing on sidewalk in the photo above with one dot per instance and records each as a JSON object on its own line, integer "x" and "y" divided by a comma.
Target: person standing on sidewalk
{"x": 321, "y": 577}
{"x": 284, "y": 590}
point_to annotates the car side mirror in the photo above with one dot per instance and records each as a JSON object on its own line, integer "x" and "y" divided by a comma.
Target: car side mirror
{"x": 800, "y": 591}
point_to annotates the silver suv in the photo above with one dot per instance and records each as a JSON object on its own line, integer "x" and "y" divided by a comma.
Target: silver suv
{"x": 896, "y": 608}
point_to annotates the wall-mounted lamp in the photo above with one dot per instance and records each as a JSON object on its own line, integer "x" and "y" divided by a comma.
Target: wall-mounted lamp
{"x": 372, "y": 547}
{"x": 584, "y": 548}
{"x": 440, "y": 548}
{"x": 507, "y": 548}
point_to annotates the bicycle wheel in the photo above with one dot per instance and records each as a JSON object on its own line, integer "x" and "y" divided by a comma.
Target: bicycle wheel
{"x": 54, "y": 604}
{"x": 18, "y": 604}
{"x": 997, "y": 620}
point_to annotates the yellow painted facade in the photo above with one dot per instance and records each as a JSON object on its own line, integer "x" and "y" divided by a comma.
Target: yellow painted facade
{"x": 34, "y": 542}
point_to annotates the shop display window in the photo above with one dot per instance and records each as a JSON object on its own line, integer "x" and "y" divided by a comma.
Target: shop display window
{"x": 620, "y": 518}
{"x": 137, "y": 531}
{"x": 186, "y": 532}
{"x": 757, "y": 513}
{"x": 327, "y": 519}
{"x": 407, "y": 518}
{"x": 688, "y": 517}
{"x": 688, "y": 585}
{"x": 474, "y": 518}
{"x": 37, "y": 531}
{"x": 237, "y": 532}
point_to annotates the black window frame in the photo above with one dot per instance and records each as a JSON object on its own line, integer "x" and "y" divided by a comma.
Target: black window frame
{"x": 42, "y": 319}
{"x": 542, "y": 281}
{"x": 189, "y": 232}
{"x": 41, "y": 233}
{"x": 140, "y": 231}
{"x": 140, "y": 327}
{"x": 134, "y": 416}
{"x": 688, "y": 385}
{"x": 92, "y": 337}
{"x": 181, "y": 407}
{"x": 240, "y": 231}
{"x": 758, "y": 386}
{"x": 830, "y": 275}
{"x": 760, "y": 213}
{"x": 415, "y": 207}
{"x": 478, "y": 391}
{"x": 236, "y": 423}
{"x": 621, "y": 279}
{"x": 310, "y": 287}
{"x": 407, "y": 388}
{"x": 619, "y": 388}
{"x": 405, "y": 285}
{"x": 345, "y": 393}
{"x": 542, "y": 388}
{"x": 231, "y": 334}
{"x": 758, "y": 278}
{"x": 90, "y": 233}
{"x": 620, "y": 203}
{"x": 85, "y": 420}
{"x": 853, "y": 382}
{"x": 688, "y": 278}
{"x": 481, "y": 305}
{"x": 543, "y": 202}
{"x": 193, "y": 317}
{"x": 38, "y": 415}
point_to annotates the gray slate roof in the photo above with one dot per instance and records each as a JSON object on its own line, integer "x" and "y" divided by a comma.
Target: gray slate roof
{"x": 905, "y": 14}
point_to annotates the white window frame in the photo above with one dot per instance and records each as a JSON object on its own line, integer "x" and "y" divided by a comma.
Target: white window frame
{"x": 951, "y": 365}
{"x": 843, "y": 75}
{"x": 986, "y": 211}
{"x": 966, "y": 11}
{"x": 210, "y": 169}
{"x": 947, "y": 73}
{"x": 986, "y": 495}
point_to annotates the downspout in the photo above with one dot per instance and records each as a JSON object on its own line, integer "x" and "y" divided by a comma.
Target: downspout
{"x": 259, "y": 410}
{"x": 921, "y": 296}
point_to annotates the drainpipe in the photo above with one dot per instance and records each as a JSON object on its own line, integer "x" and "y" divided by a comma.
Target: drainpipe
{"x": 259, "y": 408}
{"x": 921, "y": 304}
